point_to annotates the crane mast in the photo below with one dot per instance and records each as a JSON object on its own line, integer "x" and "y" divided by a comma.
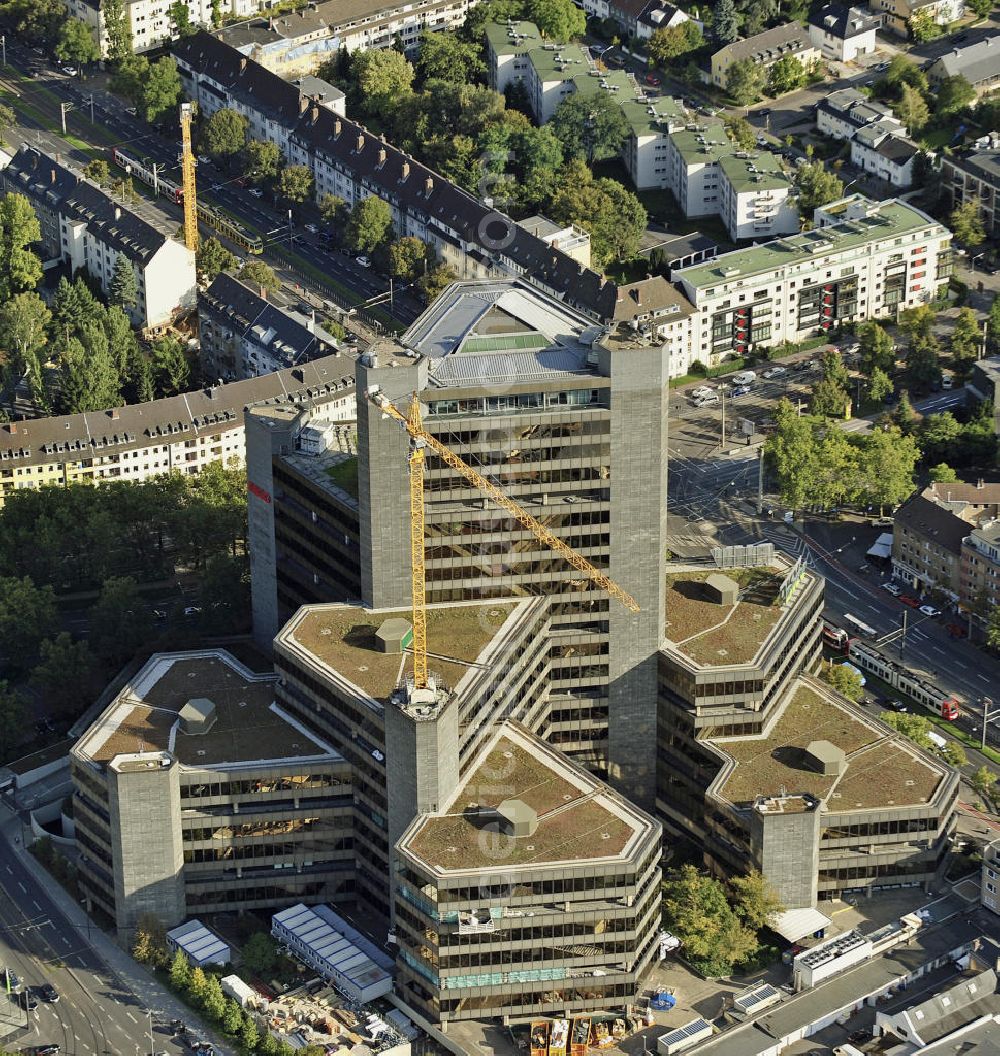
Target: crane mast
{"x": 188, "y": 181}
{"x": 420, "y": 441}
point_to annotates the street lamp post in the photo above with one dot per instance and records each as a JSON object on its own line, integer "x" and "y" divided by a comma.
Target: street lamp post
{"x": 972, "y": 261}
{"x": 987, "y": 703}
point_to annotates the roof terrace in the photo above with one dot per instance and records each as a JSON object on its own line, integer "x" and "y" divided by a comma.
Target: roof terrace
{"x": 880, "y": 768}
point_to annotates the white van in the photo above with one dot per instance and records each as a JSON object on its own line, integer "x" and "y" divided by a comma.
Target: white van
{"x": 745, "y": 377}
{"x": 936, "y": 739}
{"x": 707, "y": 399}
{"x": 947, "y": 381}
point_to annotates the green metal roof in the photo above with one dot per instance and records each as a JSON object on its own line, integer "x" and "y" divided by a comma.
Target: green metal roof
{"x": 498, "y": 34}
{"x": 708, "y": 144}
{"x": 567, "y": 62}
{"x": 887, "y": 220}
{"x": 667, "y": 112}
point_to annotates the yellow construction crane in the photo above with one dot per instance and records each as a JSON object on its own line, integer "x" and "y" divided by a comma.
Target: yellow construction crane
{"x": 187, "y": 180}
{"x": 420, "y": 440}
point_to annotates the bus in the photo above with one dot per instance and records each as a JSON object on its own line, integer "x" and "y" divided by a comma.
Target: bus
{"x": 859, "y": 627}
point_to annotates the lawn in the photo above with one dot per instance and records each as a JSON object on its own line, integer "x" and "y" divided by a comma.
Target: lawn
{"x": 937, "y": 138}
{"x": 345, "y": 475}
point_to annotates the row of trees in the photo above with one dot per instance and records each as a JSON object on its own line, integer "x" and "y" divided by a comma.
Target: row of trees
{"x": 747, "y": 81}
{"x": 915, "y": 103}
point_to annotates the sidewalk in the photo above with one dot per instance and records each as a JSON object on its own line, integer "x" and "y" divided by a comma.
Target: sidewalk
{"x": 130, "y": 975}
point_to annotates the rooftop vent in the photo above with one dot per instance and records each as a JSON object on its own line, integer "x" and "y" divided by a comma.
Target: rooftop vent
{"x": 394, "y": 635}
{"x": 197, "y": 716}
{"x": 517, "y": 819}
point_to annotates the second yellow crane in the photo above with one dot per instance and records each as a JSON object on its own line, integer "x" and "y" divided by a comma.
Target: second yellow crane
{"x": 420, "y": 441}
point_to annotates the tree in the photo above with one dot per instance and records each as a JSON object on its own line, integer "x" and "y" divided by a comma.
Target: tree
{"x": 916, "y": 727}
{"x": 213, "y": 257}
{"x": 942, "y": 473}
{"x": 67, "y": 672}
{"x": 260, "y": 954}
{"x": 197, "y": 986}
{"x": 559, "y": 20}
{"x": 725, "y": 21}
{"x": 984, "y": 782}
{"x": 437, "y": 279}
{"x": 171, "y": 370}
{"x": 88, "y": 379}
{"x": 967, "y": 224}
{"x": 296, "y": 184}
{"x": 591, "y": 127}
{"x": 993, "y": 628}
{"x": 256, "y": 272}
{"x": 370, "y": 224}
{"x": 965, "y": 341}
{"x": 98, "y": 171}
{"x": 11, "y": 720}
{"x": 745, "y": 81}
{"x": 923, "y": 28}
{"x": 224, "y": 134}
{"x": 786, "y": 75}
{"x": 832, "y": 366}
{"x": 120, "y": 622}
{"x": 20, "y": 267}
{"x": 76, "y": 43}
{"x": 181, "y": 18}
{"x": 123, "y": 289}
{"x": 161, "y": 91}
{"x": 923, "y": 363}
{"x": 877, "y": 350}
{"x": 755, "y": 900}
{"x": 904, "y": 71}
{"x": 27, "y": 616}
{"x": 332, "y": 209}
{"x": 214, "y": 1002}
{"x": 939, "y": 435}
{"x": 952, "y": 95}
{"x": 981, "y": 8}
{"x": 670, "y": 42}
{"x": 118, "y": 29}
{"x": 741, "y": 132}
{"x": 180, "y": 970}
{"x": 382, "y": 78}
{"x": 758, "y": 14}
{"x": 263, "y": 160}
{"x": 791, "y": 451}
{"x": 954, "y": 755}
{"x": 224, "y": 592}
{"x": 148, "y": 947}
{"x": 130, "y": 76}
{"x": 407, "y": 257}
{"x": 879, "y": 385}
{"x": 912, "y": 109}
{"x": 249, "y": 1035}
{"x": 829, "y": 399}
{"x": 817, "y": 186}
{"x": 887, "y": 464}
{"x": 845, "y": 680}
{"x": 447, "y": 57}
{"x": 993, "y": 324}
{"x": 23, "y": 325}
{"x": 697, "y": 910}
{"x": 918, "y": 322}
{"x": 232, "y": 1018}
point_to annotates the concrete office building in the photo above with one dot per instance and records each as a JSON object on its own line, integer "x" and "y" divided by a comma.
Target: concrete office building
{"x": 194, "y": 793}
{"x": 863, "y": 260}
{"x": 557, "y": 913}
{"x": 84, "y": 227}
{"x": 180, "y": 434}
{"x": 763, "y": 767}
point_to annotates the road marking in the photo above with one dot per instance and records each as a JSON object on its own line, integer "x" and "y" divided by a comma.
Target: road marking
{"x": 131, "y": 1017}
{"x": 65, "y": 940}
{"x": 938, "y": 649}
{"x": 878, "y": 612}
{"x": 9, "y": 870}
{"x": 22, "y": 887}
{"x": 988, "y": 681}
{"x": 958, "y": 663}
{"x": 35, "y": 904}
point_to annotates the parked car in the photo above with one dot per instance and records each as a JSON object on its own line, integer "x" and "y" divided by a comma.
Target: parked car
{"x": 881, "y": 522}
{"x": 745, "y": 377}
{"x": 362, "y": 261}
{"x": 312, "y": 229}
{"x": 652, "y": 79}
{"x": 256, "y": 192}
{"x": 159, "y": 614}
{"x": 204, "y": 159}
{"x": 741, "y": 390}
{"x": 702, "y": 390}
{"x": 929, "y": 610}
{"x": 707, "y": 400}
{"x": 896, "y": 705}
{"x": 909, "y": 600}
{"x": 893, "y": 588}
{"x": 70, "y": 71}
{"x": 773, "y": 372}
{"x": 192, "y": 610}
{"x": 47, "y": 1050}
{"x": 49, "y": 993}
{"x": 28, "y": 1001}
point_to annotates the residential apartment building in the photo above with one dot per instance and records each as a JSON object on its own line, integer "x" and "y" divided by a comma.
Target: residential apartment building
{"x": 194, "y": 793}
{"x": 978, "y": 63}
{"x": 843, "y": 33}
{"x": 83, "y": 227}
{"x": 668, "y": 147}
{"x": 841, "y": 114}
{"x": 637, "y": 18}
{"x": 349, "y": 161}
{"x": 180, "y": 434}
{"x": 764, "y": 49}
{"x": 979, "y": 582}
{"x": 863, "y": 260}
{"x": 243, "y": 335}
{"x": 975, "y": 177}
{"x": 568, "y": 239}
{"x": 896, "y": 14}
{"x": 760, "y": 765}
{"x": 929, "y": 534}
{"x": 150, "y": 22}
{"x": 990, "y": 870}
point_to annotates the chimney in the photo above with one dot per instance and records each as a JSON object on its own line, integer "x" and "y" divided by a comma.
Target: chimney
{"x": 243, "y": 63}
{"x": 428, "y": 186}
{"x": 636, "y": 296}
{"x": 314, "y": 113}
{"x": 381, "y": 156}
{"x": 263, "y": 292}
{"x": 361, "y": 143}
{"x": 303, "y": 104}
{"x": 114, "y": 414}
{"x": 979, "y": 484}
{"x": 336, "y": 129}
{"x": 406, "y": 172}
{"x": 52, "y": 174}
{"x": 12, "y": 427}
{"x": 118, "y": 213}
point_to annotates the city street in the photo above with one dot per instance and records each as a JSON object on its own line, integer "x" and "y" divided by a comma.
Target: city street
{"x": 98, "y": 1011}
{"x": 288, "y": 247}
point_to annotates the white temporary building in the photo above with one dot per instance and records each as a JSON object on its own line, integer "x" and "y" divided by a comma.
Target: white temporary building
{"x": 201, "y": 946}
